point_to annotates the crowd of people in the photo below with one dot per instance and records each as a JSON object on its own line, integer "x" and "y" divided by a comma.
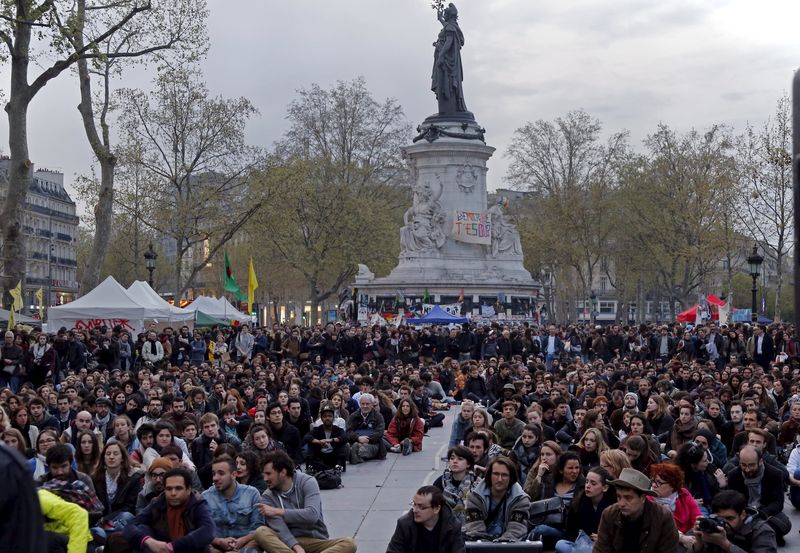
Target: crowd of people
{"x": 636, "y": 438}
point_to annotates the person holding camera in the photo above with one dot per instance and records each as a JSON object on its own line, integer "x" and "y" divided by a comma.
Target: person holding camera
{"x": 733, "y": 527}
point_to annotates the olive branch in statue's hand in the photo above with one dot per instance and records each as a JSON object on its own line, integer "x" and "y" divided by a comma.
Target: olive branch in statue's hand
{"x": 438, "y": 5}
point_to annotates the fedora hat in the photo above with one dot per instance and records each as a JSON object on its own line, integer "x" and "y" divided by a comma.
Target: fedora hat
{"x": 633, "y": 479}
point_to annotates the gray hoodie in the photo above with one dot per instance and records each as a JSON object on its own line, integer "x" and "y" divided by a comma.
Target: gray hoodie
{"x": 303, "y": 505}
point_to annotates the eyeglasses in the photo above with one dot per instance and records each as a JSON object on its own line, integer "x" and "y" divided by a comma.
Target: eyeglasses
{"x": 415, "y": 507}
{"x": 657, "y": 483}
{"x": 158, "y": 474}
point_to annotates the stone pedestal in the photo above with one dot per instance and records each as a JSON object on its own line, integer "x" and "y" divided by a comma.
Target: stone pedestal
{"x": 449, "y": 164}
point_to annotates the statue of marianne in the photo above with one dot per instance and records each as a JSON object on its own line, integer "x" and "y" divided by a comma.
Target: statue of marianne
{"x": 448, "y": 73}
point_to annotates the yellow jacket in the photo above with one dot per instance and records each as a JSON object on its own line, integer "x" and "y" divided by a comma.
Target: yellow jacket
{"x": 63, "y": 517}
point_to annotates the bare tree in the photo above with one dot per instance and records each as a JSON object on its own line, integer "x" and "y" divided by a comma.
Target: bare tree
{"x": 193, "y": 155}
{"x": 177, "y": 25}
{"x": 18, "y": 20}
{"x": 766, "y": 210}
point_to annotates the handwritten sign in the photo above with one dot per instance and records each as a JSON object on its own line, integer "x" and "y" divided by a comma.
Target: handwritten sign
{"x": 473, "y": 227}
{"x": 89, "y": 324}
{"x": 451, "y": 308}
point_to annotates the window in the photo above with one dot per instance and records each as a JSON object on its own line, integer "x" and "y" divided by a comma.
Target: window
{"x": 607, "y": 307}
{"x": 603, "y": 285}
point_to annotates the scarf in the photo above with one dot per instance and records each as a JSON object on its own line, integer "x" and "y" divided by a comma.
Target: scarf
{"x": 175, "y": 522}
{"x": 38, "y": 353}
{"x": 669, "y": 502}
{"x": 153, "y": 349}
{"x": 754, "y": 488}
{"x": 455, "y": 493}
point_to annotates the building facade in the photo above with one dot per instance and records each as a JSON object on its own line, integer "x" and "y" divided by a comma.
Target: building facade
{"x": 50, "y": 227}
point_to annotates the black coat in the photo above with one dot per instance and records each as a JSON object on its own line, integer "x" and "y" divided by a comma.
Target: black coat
{"x": 404, "y": 539}
{"x": 772, "y": 489}
{"x": 125, "y": 500}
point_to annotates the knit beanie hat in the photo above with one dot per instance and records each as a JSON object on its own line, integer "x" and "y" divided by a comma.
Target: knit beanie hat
{"x": 160, "y": 463}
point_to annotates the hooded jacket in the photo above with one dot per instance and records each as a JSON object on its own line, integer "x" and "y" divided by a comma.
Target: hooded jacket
{"x": 514, "y": 515}
{"x": 404, "y": 539}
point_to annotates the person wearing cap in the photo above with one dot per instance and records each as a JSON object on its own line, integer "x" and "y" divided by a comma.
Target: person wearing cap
{"x": 327, "y": 442}
{"x": 153, "y": 483}
{"x": 630, "y": 404}
{"x": 103, "y": 418}
{"x": 496, "y": 408}
{"x": 634, "y": 524}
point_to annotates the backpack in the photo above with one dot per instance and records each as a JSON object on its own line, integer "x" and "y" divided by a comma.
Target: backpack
{"x": 329, "y": 479}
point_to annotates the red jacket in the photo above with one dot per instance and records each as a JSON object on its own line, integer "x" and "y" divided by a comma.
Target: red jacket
{"x": 398, "y": 431}
{"x": 686, "y": 511}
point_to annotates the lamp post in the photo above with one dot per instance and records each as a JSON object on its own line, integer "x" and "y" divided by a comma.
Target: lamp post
{"x": 754, "y": 264}
{"x": 150, "y": 257}
{"x": 592, "y": 315}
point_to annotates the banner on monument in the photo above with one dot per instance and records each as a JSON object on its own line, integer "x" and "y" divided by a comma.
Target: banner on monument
{"x": 473, "y": 227}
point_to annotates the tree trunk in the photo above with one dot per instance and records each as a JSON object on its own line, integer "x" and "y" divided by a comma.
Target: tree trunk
{"x": 779, "y": 286}
{"x": 19, "y": 171}
{"x": 103, "y": 211}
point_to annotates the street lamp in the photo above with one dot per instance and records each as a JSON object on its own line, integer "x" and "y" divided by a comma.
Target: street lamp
{"x": 754, "y": 265}
{"x": 150, "y": 257}
{"x": 592, "y": 315}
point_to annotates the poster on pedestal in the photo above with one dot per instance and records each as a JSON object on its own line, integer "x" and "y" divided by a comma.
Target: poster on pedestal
{"x": 473, "y": 227}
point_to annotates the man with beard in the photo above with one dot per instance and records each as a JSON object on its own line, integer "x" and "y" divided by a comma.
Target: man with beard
{"x": 234, "y": 508}
{"x": 103, "y": 419}
{"x": 428, "y": 526}
{"x": 153, "y": 413}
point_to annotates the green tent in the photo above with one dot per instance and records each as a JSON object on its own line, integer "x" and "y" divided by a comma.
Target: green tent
{"x": 201, "y": 319}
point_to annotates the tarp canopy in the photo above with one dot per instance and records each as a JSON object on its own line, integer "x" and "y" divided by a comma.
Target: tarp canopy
{"x": 201, "y": 319}
{"x": 218, "y": 309}
{"x": 5, "y": 313}
{"x": 109, "y": 305}
{"x": 437, "y": 316}
{"x": 142, "y": 293}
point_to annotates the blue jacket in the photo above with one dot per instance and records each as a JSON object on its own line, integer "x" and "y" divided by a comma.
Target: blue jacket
{"x": 237, "y": 516}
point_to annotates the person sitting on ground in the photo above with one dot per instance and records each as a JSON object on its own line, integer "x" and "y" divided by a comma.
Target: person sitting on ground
{"x": 284, "y": 432}
{"x": 745, "y": 531}
{"x": 614, "y": 460}
{"x": 66, "y": 520}
{"x": 633, "y": 523}
{"x": 177, "y": 520}
{"x": 667, "y": 483}
{"x": 327, "y": 444}
{"x": 292, "y": 507}
{"x": 526, "y": 449}
{"x": 509, "y": 427}
{"x": 568, "y": 479}
{"x": 700, "y": 477}
{"x": 498, "y": 509}
{"x": 764, "y": 487}
{"x": 458, "y": 480}
{"x": 461, "y": 423}
{"x": 405, "y": 431}
{"x": 153, "y": 483}
{"x": 428, "y": 526}
{"x": 247, "y": 471}
{"x": 586, "y": 509}
{"x": 233, "y": 506}
{"x": 365, "y": 432}
{"x": 205, "y": 445}
{"x": 540, "y": 481}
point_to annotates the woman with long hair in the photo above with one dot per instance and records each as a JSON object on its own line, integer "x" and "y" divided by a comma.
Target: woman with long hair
{"x": 87, "y": 455}
{"x": 540, "y": 481}
{"x": 248, "y": 472}
{"x": 639, "y": 453}
{"x": 405, "y": 430}
{"x": 568, "y": 479}
{"x": 13, "y": 439}
{"x": 657, "y": 415}
{"x": 695, "y": 462}
{"x": 587, "y": 507}
{"x": 46, "y": 439}
{"x": 684, "y": 428}
{"x": 589, "y": 448}
{"x": 165, "y": 435}
{"x": 20, "y": 419}
{"x": 117, "y": 484}
{"x": 614, "y": 460}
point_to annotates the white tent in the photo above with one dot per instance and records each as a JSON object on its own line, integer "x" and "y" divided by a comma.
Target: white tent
{"x": 145, "y": 295}
{"x": 109, "y": 304}
{"x": 217, "y": 308}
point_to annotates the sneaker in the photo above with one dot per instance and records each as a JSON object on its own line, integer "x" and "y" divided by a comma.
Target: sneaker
{"x": 407, "y": 447}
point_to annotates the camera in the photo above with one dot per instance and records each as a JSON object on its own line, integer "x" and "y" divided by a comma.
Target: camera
{"x": 710, "y": 524}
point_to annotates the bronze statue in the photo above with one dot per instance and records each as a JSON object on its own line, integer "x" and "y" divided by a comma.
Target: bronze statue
{"x": 447, "y": 70}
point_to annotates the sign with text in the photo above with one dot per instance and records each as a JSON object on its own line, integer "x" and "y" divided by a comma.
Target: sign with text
{"x": 473, "y": 227}
{"x": 451, "y": 308}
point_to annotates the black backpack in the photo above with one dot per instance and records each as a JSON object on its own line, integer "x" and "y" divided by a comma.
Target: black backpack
{"x": 329, "y": 479}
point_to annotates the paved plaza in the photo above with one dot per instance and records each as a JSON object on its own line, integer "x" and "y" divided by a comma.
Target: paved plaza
{"x": 377, "y": 493}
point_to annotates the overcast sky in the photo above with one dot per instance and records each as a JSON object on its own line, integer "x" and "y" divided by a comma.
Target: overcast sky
{"x": 630, "y": 63}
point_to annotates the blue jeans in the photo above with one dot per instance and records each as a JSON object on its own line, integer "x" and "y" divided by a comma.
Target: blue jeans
{"x": 548, "y": 361}
{"x": 548, "y": 533}
{"x": 111, "y": 525}
{"x": 794, "y": 491}
{"x": 8, "y": 381}
{"x": 565, "y": 546}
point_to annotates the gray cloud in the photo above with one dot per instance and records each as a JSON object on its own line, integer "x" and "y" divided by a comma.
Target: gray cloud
{"x": 631, "y": 63}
